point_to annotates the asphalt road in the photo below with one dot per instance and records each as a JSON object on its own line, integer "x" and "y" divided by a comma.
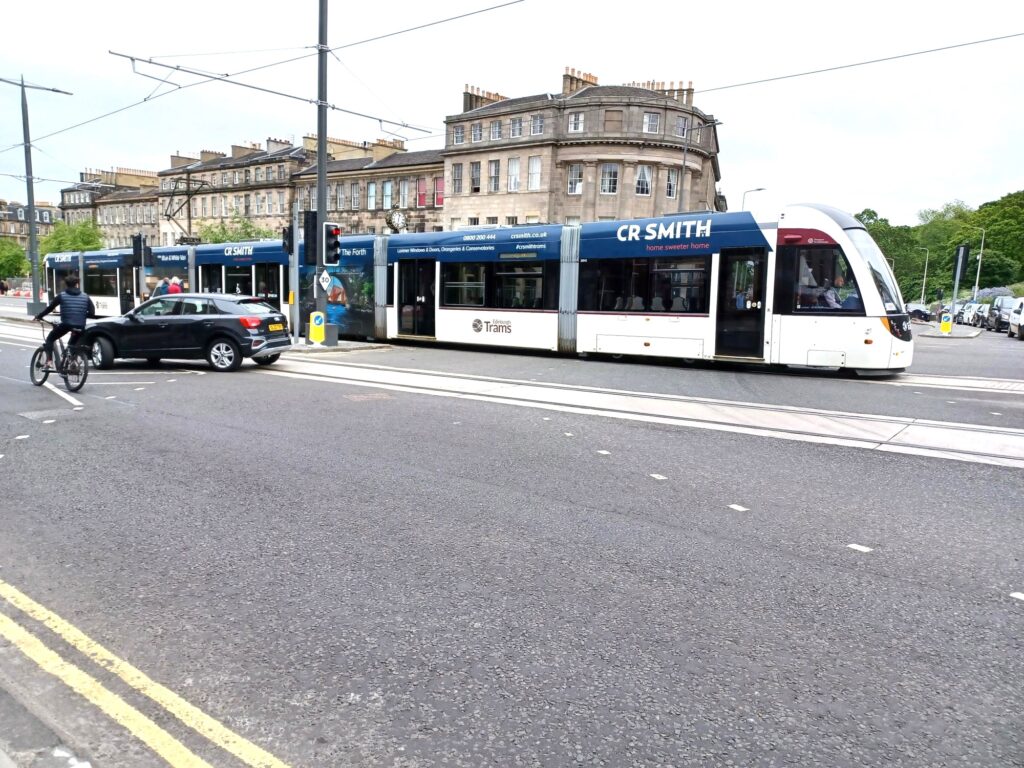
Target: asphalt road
{"x": 351, "y": 575}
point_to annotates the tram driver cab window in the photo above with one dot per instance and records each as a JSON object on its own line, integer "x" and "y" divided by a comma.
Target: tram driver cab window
{"x": 816, "y": 280}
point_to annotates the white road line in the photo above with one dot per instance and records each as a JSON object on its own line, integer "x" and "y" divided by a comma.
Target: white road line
{"x": 995, "y": 413}
{"x": 110, "y": 397}
{"x": 738, "y": 508}
{"x": 568, "y": 434}
{"x": 139, "y": 389}
{"x": 49, "y": 421}
{"x": 171, "y": 381}
{"x": 78, "y": 408}
{"x": 605, "y": 453}
{"x": 21, "y": 437}
{"x": 659, "y": 477}
{"x": 859, "y": 547}
{"x": 65, "y": 395}
{"x": 1015, "y": 595}
{"x": 978, "y": 443}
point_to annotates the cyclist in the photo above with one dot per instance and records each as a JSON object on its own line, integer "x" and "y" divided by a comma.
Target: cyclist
{"x": 75, "y": 307}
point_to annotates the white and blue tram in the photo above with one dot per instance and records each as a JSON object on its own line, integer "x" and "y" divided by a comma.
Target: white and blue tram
{"x": 810, "y": 288}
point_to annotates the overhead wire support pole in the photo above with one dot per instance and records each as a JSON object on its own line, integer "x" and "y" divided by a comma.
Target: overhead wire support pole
{"x": 34, "y": 305}
{"x": 321, "y": 149}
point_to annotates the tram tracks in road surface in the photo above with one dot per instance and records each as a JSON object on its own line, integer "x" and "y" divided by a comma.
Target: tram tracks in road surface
{"x": 907, "y": 435}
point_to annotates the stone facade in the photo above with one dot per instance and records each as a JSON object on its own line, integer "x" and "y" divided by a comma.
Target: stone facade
{"x": 122, "y": 202}
{"x": 589, "y": 153}
{"x": 14, "y": 221}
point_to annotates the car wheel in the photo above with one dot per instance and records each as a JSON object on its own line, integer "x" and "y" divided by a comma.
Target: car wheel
{"x": 268, "y": 360}
{"x": 102, "y": 353}
{"x": 223, "y": 355}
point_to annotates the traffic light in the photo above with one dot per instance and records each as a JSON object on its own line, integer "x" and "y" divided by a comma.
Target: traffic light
{"x": 287, "y": 240}
{"x": 309, "y": 239}
{"x": 147, "y": 255}
{"x": 332, "y": 244}
{"x": 136, "y": 251}
{"x": 963, "y": 253}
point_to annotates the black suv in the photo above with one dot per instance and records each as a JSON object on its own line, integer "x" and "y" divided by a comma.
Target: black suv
{"x": 999, "y": 313}
{"x": 221, "y": 328}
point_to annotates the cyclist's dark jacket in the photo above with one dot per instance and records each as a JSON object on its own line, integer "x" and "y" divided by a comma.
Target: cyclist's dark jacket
{"x": 75, "y": 307}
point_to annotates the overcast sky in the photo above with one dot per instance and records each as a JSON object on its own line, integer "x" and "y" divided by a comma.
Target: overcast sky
{"x": 898, "y": 136}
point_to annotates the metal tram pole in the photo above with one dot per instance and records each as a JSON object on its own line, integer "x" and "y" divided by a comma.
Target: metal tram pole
{"x": 34, "y": 304}
{"x": 293, "y": 276}
{"x": 924, "y": 280}
{"x": 977, "y": 276}
{"x": 321, "y": 148}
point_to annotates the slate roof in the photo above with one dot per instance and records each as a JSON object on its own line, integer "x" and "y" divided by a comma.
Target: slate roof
{"x": 396, "y": 160}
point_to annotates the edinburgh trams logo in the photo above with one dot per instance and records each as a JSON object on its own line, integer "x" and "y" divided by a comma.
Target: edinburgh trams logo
{"x": 492, "y": 326}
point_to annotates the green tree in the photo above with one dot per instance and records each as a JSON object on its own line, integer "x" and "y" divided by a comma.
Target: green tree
{"x": 12, "y": 259}
{"x": 234, "y": 231}
{"x": 83, "y": 236}
{"x": 899, "y": 244}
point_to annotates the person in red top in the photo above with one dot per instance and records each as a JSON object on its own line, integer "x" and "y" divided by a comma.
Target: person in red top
{"x": 175, "y": 286}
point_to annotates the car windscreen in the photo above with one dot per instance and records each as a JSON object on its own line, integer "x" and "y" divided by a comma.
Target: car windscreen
{"x": 246, "y": 307}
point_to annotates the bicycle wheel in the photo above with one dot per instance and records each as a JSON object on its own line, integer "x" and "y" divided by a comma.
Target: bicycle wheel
{"x": 76, "y": 370}
{"x": 36, "y": 371}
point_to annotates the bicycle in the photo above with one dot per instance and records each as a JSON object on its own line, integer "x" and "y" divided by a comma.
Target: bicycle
{"x": 72, "y": 364}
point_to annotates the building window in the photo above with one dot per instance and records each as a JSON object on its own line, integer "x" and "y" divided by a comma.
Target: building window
{"x": 575, "y": 122}
{"x": 681, "y": 124}
{"x": 456, "y": 178}
{"x": 476, "y": 132}
{"x": 515, "y": 127}
{"x": 259, "y": 174}
{"x": 46, "y": 217}
{"x": 513, "y": 174}
{"x": 493, "y": 175}
{"x": 438, "y": 191}
{"x": 259, "y": 205}
{"x": 21, "y": 214}
{"x": 537, "y": 125}
{"x": 572, "y": 221}
{"x": 533, "y": 169}
{"x": 204, "y": 211}
{"x": 403, "y": 193}
{"x": 496, "y": 129}
{"x": 511, "y": 221}
{"x": 280, "y": 172}
{"x": 459, "y": 134}
{"x": 473, "y": 221}
{"x": 353, "y": 196}
{"x": 371, "y": 195}
{"x": 237, "y": 176}
{"x": 474, "y": 178}
{"x": 613, "y": 120}
{"x": 214, "y": 208}
{"x": 421, "y": 192}
{"x": 575, "y": 179}
{"x": 492, "y": 220}
{"x": 671, "y": 182}
{"x": 388, "y": 194}
{"x": 609, "y": 179}
{"x": 652, "y": 122}
{"x": 643, "y": 180}
{"x": 270, "y": 173}
{"x": 341, "y": 197}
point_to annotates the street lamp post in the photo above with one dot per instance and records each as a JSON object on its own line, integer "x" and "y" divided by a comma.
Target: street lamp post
{"x": 977, "y": 276}
{"x": 924, "y": 280}
{"x": 743, "y": 204}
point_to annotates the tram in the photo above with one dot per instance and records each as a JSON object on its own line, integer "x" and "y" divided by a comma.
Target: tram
{"x": 810, "y": 288}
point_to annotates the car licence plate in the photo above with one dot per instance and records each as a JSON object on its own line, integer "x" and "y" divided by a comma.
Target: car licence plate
{"x": 275, "y": 327}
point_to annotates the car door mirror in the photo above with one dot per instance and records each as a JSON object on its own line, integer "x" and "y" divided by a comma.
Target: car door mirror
{"x": 134, "y": 317}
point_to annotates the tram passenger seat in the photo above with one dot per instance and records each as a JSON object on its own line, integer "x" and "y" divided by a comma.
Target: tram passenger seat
{"x": 678, "y": 304}
{"x": 636, "y": 304}
{"x": 618, "y": 304}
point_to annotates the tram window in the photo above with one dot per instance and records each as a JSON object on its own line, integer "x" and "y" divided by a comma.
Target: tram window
{"x": 816, "y": 279}
{"x": 498, "y": 285}
{"x": 101, "y": 283}
{"x": 644, "y": 285}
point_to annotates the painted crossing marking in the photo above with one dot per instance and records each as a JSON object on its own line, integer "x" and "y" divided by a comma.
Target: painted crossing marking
{"x": 1015, "y": 595}
{"x": 859, "y": 547}
{"x": 59, "y": 393}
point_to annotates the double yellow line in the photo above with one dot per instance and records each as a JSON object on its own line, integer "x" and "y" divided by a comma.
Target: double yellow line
{"x": 156, "y": 738}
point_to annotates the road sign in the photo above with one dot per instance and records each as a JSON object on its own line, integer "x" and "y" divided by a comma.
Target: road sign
{"x": 325, "y": 280}
{"x": 946, "y": 323}
{"x": 316, "y": 327}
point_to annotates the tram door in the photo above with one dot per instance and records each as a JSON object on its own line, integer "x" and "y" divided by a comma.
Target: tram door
{"x": 210, "y": 278}
{"x": 739, "y": 330}
{"x": 267, "y": 283}
{"x": 126, "y": 289}
{"x": 416, "y": 297}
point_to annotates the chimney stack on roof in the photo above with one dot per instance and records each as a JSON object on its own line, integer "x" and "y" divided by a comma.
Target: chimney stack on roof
{"x": 573, "y": 81}
{"x": 474, "y": 98}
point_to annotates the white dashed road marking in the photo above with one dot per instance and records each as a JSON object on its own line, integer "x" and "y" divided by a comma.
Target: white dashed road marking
{"x": 659, "y": 477}
{"x": 49, "y": 421}
{"x": 21, "y": 437}
{"x": 568, "y": 434}
{"x": 110, "y": 397}
{"x": 859, "y": 547}
{"x": 1016, "y": 595}
{"x": 738, "y": 508}
{"x": 605, "y": 453}
{"x": 139, "y": 389}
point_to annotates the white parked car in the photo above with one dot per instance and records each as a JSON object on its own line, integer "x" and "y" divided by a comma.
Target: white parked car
{"x": 1017, "y": 320}
{"x": 969, "y": 311}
